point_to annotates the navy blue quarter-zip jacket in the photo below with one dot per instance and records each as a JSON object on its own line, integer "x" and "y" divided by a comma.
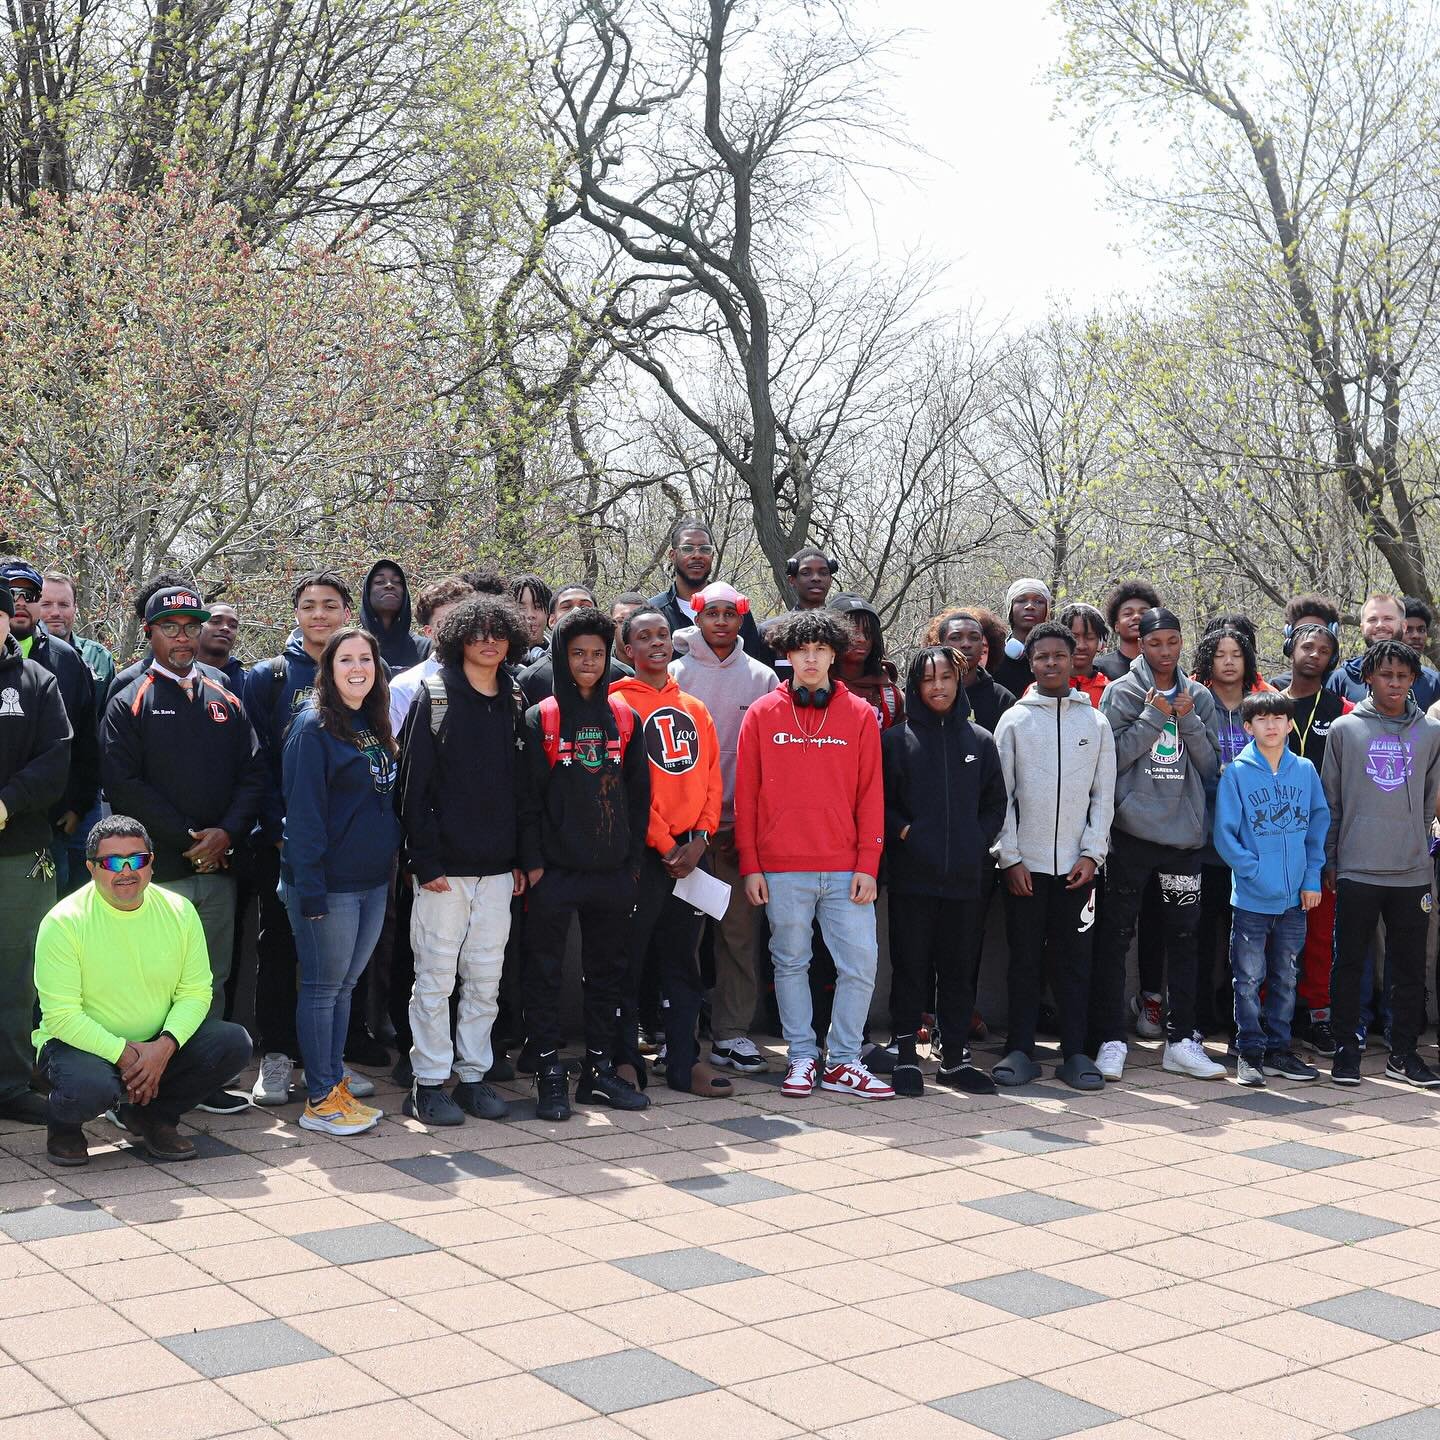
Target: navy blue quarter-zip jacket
{"x": 943, "y": 780}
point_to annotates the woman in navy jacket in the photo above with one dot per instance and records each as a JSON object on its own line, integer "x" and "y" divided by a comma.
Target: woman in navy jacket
{"x": 341, "y": 835}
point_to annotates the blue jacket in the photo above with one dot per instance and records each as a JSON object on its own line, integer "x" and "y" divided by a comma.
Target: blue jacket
{"x": 341, "y": 830}
{"x": 1270, "y": 830}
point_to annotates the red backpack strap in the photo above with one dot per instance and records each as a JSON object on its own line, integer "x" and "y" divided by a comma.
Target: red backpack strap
{"x": 550, "y": 729}
{"x": 624, "y": 724}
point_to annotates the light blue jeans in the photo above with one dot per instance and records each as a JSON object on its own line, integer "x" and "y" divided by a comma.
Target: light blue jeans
{"x": 333, "y": 953}
{"x": 797, "y": 898}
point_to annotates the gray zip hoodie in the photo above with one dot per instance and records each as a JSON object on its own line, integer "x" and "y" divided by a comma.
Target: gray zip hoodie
{"x": 727, "y": 688}
{"x": 1058, "y": 758}
{"x": 1381, "y": 776}
{"x": 1162, "y": 771}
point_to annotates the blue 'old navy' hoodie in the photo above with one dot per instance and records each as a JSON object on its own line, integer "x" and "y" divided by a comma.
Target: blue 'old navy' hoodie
{"x": 1270, "y": 828}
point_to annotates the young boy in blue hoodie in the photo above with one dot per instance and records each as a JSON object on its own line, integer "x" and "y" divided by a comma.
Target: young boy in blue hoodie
{"x": 1271, "y": 818}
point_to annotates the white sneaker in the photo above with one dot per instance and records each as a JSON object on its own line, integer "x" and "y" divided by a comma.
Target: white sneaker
{"x": 855, "y": 1079}
{"x": 1149, "y": 1012}
{"x": 1110, "y": 1062}
{"x": 799, "y": 1078}
{"x": 1188, "y": 1057}
{"x": 272, "y": 1085}
{"x": 361, "y": 1086}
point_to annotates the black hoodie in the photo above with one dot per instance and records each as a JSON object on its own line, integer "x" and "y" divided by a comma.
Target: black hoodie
{"x": 77, "y": 691}
{"x": 594, "y": 813}
{"x": 943, "y": 780}
{"x": 399, "y": 648}
{"x": 34, "y": 751}
{"x": 987, "y": 700}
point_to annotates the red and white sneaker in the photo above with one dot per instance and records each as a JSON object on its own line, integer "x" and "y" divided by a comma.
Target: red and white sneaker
{"x": 799, "y": 1078}
{"x": 856, "y": 1080}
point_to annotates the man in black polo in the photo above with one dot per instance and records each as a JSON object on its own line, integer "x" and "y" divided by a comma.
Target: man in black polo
{"x": 691, "y": 556}
{"x": 181, "y": 757}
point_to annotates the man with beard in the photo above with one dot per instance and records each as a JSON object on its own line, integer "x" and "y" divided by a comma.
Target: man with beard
{"x": 691, "y": 557}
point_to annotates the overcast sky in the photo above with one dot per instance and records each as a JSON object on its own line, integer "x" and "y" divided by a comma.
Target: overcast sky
{"x": 1006, "y": 199}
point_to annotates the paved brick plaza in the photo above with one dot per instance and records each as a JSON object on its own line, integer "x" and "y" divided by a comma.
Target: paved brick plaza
{"x": 1170, "y": 1258}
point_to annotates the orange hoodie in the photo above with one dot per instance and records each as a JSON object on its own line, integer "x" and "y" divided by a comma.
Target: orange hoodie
{"x": 684, "y": 752}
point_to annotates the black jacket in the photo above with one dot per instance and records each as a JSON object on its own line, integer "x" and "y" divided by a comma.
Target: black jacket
{"x": 538, "y": 680}
{"x": 680, "y": 615}
{"x": 77, "y": 692}
{"x": 1112, "y": 664}
{"x": 594, "y": 813}
{"x": 943, "y": 780}
{"x": 178, "y": 765}
{"x": 399, "y": 647}
{"x": 1014, "y": 676}
{"x": 466, "y": 797}
{"x": 34, "y": 750}
{"x": 987, "y": 701}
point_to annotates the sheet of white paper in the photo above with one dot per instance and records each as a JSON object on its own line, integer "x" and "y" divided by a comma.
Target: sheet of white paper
{"x": 704, "y": 892}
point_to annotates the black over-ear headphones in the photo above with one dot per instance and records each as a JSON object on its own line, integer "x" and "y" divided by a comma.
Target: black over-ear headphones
{"x": 792, "y": 566}
{"x": 1332, "y": 629}
{"x": 807, "y": 699}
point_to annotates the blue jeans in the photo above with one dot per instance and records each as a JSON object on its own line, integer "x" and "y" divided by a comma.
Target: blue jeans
{"x": 1263, "y": 950}
{"x": 797, "y": 898}
{"x": 333, "y": 953}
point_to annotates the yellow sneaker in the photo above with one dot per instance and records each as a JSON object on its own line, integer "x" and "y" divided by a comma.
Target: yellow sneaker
{"x": 334, "y": 1116}
{"x": 358, "y": 1107}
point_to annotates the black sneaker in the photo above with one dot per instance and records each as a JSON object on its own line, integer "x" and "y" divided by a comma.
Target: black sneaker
{"x": 1284, "y": 1065}
{"x": 906, "y": 1079}
{"x": 964, "y": 1075}
{"x": 1345, "y": 1067}
{"x": 552, "y": 1091}
{"x": 403, "y": 1075}
{"x": 1250, "y": 1071}
{"x": 476, "y": 1098}
{"x": 879, "y": 1059}
{"x": 1412, "y": 1069}
{"x": 597, "y": 1086}
{"x": 430, "y": 1105}
{"x": 1318, "y": 1035}
{"x": 527, "y": 1062}
{"x": 362, "y": 1048}
{"x": 224, "y": 1102}
{"x": 502, "y": 1071}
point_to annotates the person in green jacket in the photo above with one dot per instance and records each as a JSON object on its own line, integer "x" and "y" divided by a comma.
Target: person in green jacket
{"x": 123, "y": 978}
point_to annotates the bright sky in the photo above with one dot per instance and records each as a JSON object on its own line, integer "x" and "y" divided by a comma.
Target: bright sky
{"x": 1005, "y": 197}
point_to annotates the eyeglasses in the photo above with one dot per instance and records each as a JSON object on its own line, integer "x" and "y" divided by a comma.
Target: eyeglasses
{"x": 116, "y": 863}
{"x": 694, "y": 549}
{"x": 172, "y": 628}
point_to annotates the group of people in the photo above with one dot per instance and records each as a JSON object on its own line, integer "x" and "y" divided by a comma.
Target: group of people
{"x": 436, "y": 797}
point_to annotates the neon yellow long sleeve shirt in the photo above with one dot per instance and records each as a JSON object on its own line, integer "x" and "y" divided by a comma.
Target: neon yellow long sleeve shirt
{"x": 108, "y": 976}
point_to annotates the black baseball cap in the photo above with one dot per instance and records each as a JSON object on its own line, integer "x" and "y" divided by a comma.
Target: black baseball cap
{"x": 175, "y": 600}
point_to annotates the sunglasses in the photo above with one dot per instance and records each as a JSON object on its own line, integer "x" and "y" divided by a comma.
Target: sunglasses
{"x": 117, "y": 863}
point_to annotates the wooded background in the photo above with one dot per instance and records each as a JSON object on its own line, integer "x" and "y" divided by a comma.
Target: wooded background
{"x": 297, "y": 282}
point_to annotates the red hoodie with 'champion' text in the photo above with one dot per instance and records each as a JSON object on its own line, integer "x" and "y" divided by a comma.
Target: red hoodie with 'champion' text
{"x": 808, "y": 789}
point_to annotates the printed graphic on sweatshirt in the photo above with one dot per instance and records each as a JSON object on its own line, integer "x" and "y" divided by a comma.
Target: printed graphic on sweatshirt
{"x": 672, "y": 740}
{"x": 10, "y": 702}
{"x": 1168, "y": 747}
{"x": 1278, "y": 810}
{"x": 590, "y": 746}
{"x": 1389, "y": 762}
{"x": 382, "y": 763}
{"x": 1233, "y": 740}
{"x": 300, "y": 700}
{"x": 1180, "y": 889}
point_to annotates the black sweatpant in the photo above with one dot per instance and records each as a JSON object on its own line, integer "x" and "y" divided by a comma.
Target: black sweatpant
{"x": 276, "y": 967}
{"x": 1405, "y": 910}
{"x": 603, "y": 900}
{"x": 1062, "y": 923}
{"x": 1128, "y": 869}
{"x": 931, "y": 936}
{"x": 668, "y": 929}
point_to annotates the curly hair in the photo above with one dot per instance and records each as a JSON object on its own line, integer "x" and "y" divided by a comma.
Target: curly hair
{"x": 490, "y": 617}
{"x": 1210, "y": 643}
{"x": 438, "y": 593}
{"x": 162, "y": 580}
{"x": 1243, "y": 623}
{"x": 486, "y": 579}
{"x": 334, "y": 712}
{"x": 584, "y": 620}
{"x": 1319, "y": 606}
{"x": 798, "y": 628}
{"x": 989, "y": 622}
{"x": 1094, "y": 621}
{"x": 1129, "y": 590}
{"x": 1383, "y": 650}
{"x": 1049, "y": 630}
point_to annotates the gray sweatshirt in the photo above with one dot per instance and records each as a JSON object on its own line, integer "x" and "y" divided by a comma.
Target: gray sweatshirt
{"x": 1162, "y": 770}
{"x": 727, "y": 688}
{"x": 1381, "y": 776}
{"x": 1058, "y": 759}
